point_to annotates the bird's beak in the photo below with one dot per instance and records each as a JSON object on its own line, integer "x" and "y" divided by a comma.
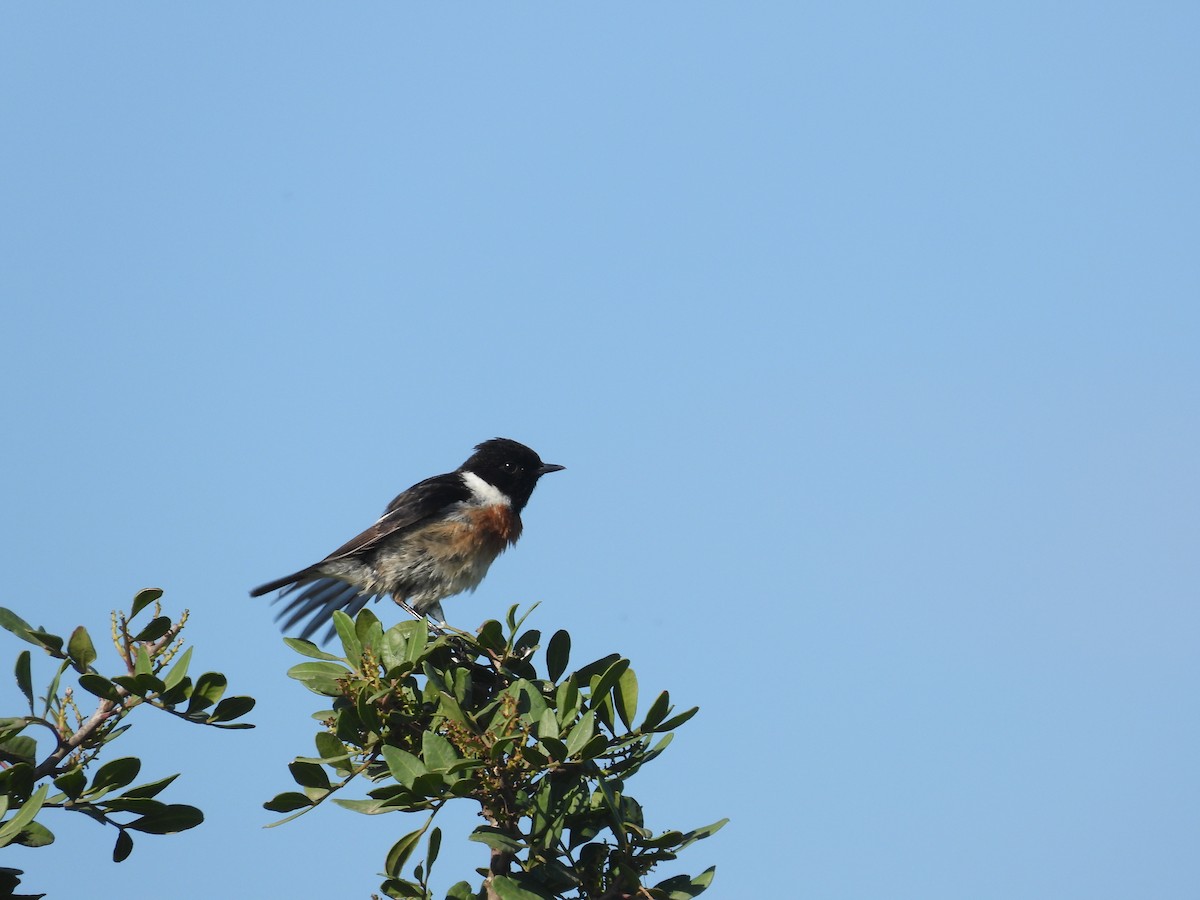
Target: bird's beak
{"x": 549, "y": 467}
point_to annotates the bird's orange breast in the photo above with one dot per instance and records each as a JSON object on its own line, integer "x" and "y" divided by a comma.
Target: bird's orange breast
{"x": 472, "y": 538}
{"x": 496, "y": 525}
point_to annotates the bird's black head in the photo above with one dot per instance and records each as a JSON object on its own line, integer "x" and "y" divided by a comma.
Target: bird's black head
{"x": 509, "y": 466}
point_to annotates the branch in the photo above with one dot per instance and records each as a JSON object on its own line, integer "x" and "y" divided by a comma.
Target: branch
{"x": 105, "y": 711}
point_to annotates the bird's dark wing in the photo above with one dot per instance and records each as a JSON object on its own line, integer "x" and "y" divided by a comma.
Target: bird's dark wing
{"x": 317, "y": 596}
{"x": 420, "y": 502}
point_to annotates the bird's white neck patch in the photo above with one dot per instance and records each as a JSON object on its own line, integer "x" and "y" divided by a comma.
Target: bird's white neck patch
{"x": 485, "y": 494}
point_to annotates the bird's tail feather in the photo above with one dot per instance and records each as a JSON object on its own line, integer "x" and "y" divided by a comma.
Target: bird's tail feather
{"x": 279, "y": 582}
{"x": 316, "y": 601}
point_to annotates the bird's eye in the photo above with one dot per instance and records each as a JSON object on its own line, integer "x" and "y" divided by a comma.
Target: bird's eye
{"x": 510, "y": 467}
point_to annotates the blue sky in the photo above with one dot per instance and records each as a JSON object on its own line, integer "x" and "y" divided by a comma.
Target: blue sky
{"x": 868, "y": 335}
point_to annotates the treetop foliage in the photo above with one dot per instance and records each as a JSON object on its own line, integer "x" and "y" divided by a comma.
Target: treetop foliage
{"x": 153, "y": 672}
{"x": 434, "y": 718}
{"x": 420, "y": 717}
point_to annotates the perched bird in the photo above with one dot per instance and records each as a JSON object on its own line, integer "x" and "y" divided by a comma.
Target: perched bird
{"x": 435, "y": 540}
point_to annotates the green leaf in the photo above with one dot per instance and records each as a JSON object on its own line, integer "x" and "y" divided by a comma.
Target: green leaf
{"x": 364, "y": 711}
{"x": 171, "y": 819}
{"x": 71, "y": 783}
{"x": 143, "y": 599}
{"x": 51, "y": 642}
{"x": 547, "y": 725}
{"x": 368, "y": 629}
{"x": 403, "y": 766}
{"x": 140, "y": 685}
{"x": 52, "y": 689}
{"x": 669, "y": 840}
{"x": 658, "y": 711}
{"x": 584, "y": 731}
{"x": 150, "y": 684}
{"x": 449, "y": 707}
{"x": 140, "y": 805}
{"x": 320, "y": 677}
{"x": 497, "y": 839}
{"x": 439, "y": 754}
{"x": 462, "y": 685}
{"x": 10, "y": 621}
{"x": 11, "y": 829}
{"x": 150, "y": 788}
{"x": 429, "y": 785}
{"x": 344, "y": 626}
{"x": 593, "y": 748}
{"x": 209, "y": 688}
{"x": 533, "y": 754}
{"x": 123, "y": 847}
{"x": 178, "y": 671}
{"x": 508, "y": 889}
{"x": 585, "y": 674}
{"x": 462, "y": 890}
{"x": 527, "y": 643}
{"x": 154, "y": 630}
{"x": 175, "y": 694}
{"x": 309, "y": 775}
{"x": 698, "y": 834}
{"x": 417, "y": 638}
{"x": 16, "y": 782}
{"x": 231, "y": 708}
{"x": 516, "y": 626}
{"x": 625, "y": 694}
{"x": 658, "y": 748}
{"x": 435, "y": 846}
{"x": 400, "y": 889}
{"x": 682, "y": 887}
{"x": 309, "y": 649}
{"x": 554, "y": 748}
{"x": 24, "y": 677}
{"x": 334, "y": 752}
{"x": 141, "y": 662}
{"x": 466, "y": 764}
{"x": 390, "y": 792}
{"x": 530, "y": 702}
{"x": 115, "y": 773}
{"x": 19, "y": 749}
{"x": 366, "y": 807}
{"x": 128, "y": 682}
{"x": 436, "y": 678}
{"x": 558, "y": 653}
{"x": 491, "y": 635}
{"x": 566, "y": 699}
{"x": 287, "y": 802}
{"x": 675, "y": 721}
{"x": 35, "y": 834}
{"x": 605, "y": 683}
{"x": 402, "y": 850}
{"x": 391, "y": 649}
{"x": 604, "y": 709}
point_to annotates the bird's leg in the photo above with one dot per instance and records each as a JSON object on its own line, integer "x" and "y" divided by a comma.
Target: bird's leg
{"x": 437, "y": 618}
{"x": 433, "y": 615}
{"x": 408, "y": 609}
